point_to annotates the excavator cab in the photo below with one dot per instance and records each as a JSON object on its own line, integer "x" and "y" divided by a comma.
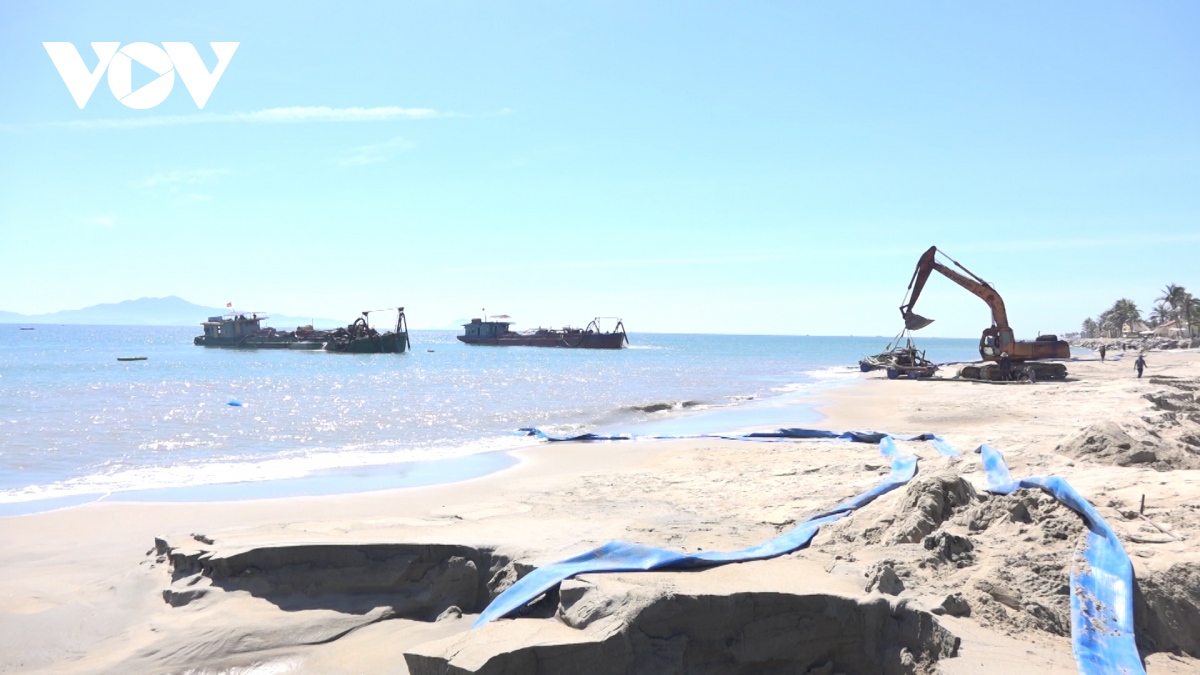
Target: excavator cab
{"x": 987, "y": 346}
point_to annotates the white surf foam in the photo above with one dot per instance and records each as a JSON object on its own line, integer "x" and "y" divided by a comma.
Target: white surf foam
{"x": 226, "y": 470}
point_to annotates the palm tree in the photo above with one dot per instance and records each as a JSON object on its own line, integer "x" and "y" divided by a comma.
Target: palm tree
{"x": 1159, "y": 315}
{"x": 1124, "y": 312}
{"x": 1090, "y": 328}
{"x": 1193, "y": 309}
{"x": 1109, "y": 323}
{"x": 1180, "y": 301}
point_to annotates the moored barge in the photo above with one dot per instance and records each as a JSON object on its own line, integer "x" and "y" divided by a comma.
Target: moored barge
{"x": 498, "y": 333}
{"x": 244, "y": 330}
{"x": 360, "y": 338}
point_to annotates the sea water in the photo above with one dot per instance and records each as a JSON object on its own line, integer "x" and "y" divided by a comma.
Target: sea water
{"x": 76, "y": 424}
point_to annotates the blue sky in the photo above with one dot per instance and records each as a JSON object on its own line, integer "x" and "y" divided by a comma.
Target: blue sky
{"x": 692, "y": 167}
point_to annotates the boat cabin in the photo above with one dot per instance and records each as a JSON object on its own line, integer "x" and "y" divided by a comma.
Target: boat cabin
{"x": 232, "y": 326}
{"x": 485, "y": 329}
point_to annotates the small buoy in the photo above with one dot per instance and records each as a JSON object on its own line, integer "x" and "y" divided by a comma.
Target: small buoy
{"x": 235, "y": 403}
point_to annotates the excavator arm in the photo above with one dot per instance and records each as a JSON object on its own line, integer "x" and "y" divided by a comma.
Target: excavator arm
{"x": 997, "y": 340}
{"x": 982, "y": 289}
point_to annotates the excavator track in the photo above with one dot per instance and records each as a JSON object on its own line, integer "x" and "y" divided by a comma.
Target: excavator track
{"x": 1042, "y": 371}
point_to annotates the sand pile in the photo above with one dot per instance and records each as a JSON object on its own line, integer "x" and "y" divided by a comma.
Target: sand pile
{"x": 1001, "y": 559}
{"x": 938, "y": 547}
{"x": 1167, "y": 610}
{"x": 697, "y": 623}
{"x": 1166, "y": 437}
{"x": 227, "y": 601}
{"x": 418, "y": 581}
{"x": 1108, "y": 443}
{"x": 233, "y": 604}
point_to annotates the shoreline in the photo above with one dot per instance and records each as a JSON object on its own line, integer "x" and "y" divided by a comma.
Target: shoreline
{"x": 791, "y": 408}
{"x": 272, "y": 446}
{"x": 82, "y": 593}
{"x": 746, "y": 415}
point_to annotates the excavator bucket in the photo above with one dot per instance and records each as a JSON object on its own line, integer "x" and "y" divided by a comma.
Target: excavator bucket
{"x": 915, "y": 321}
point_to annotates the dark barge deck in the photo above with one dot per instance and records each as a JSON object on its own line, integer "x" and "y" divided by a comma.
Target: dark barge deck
{"x": 498, "y": 334}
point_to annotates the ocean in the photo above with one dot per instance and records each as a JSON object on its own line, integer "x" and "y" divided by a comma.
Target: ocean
{"x": 77, "y": 425}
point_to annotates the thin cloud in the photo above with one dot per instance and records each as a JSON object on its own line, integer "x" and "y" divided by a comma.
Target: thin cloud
{"x": 181, "y": 177}
{"x": 1017, "y": 245}
{"x": 292, "y": 115}
{"x": 897, "y": 251}
{"x": 378, "y": 152}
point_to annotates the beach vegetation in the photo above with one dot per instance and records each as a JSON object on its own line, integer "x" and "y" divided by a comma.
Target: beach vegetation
{"x": 1181, "y": 304}
{"x": 1090, "y": 328}
{"x": 1123, "y": 317}
{"x": 1159, "y": 315}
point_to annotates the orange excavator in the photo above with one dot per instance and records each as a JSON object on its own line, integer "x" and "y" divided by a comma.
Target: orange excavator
{"x": 997, "y": 339}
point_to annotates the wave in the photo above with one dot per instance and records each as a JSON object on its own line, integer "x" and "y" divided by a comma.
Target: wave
{"x": 227, "y": 470}
{"x": 660, "y": 407}
{"x": 834, "y": 373}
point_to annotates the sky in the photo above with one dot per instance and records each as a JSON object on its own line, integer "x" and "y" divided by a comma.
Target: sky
{"x": 691, "y": 167}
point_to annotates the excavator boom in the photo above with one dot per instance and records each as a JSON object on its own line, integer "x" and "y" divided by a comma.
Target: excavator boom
{"x": 982, "y": 289}
{"x": 998, "y": 338}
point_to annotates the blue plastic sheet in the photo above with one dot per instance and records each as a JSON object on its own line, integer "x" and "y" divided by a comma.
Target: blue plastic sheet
{"x": 534, "y": 431}
{"x": 938, "y": 442}
{"x": 943, "y": 448}
{"x": 1102, "y": 633}
{"x": 620, "y": 556}
{"x": 1101, "y": 583}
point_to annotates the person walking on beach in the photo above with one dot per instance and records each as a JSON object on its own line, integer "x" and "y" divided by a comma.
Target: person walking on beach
{"x": 1140, "y": 365}
{"x": 1102, "y": 350}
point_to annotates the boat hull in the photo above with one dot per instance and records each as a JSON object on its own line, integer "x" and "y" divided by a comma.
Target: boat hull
{"x": 567, "y": 340}
{"x": 387, "y": 343}
{"x": 276, "y": 342}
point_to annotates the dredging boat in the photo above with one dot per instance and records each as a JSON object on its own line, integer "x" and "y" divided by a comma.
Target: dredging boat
{"x": 360, "y": 338}
{"x": 244, "y": 330}
{"x": 497, "y": 333}
{"x": 900, "y": 360}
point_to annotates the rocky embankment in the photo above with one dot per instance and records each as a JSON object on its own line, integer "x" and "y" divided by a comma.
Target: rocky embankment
{"x": 1115, "y": 345}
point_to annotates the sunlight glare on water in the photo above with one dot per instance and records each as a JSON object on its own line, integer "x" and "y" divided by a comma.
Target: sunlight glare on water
{"x": 74, "y": 420}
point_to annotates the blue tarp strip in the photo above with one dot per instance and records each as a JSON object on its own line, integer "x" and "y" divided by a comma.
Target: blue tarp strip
{"x": 938, "y": 442}
{"x": 1102, "y": 633}
{"x": 621, "y": 556}
{"x": 1101, "y": 584}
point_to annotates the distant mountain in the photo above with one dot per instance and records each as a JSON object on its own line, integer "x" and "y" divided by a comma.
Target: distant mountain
{"x": 168, "y": 311}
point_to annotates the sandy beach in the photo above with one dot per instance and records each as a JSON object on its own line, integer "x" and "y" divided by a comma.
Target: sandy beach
{"x": 933, "y": 577}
